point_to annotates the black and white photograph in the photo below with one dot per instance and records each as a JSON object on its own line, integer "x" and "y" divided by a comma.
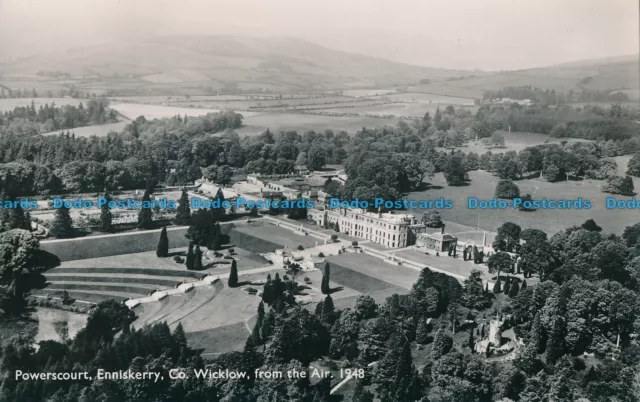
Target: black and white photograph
{"x": 319, "y": 201}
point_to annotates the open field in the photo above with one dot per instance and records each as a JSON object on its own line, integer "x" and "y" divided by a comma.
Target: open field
{"x": 41, "y": 84}
{"x": 368, "y": 92}
{"x": 150, "y": 112}
{"x": 483, "y": 184}
{"x": 259, "y": 122}
{"x": 395, "y": 109}
{"x": 427, "y": 98}
{"x": 10, "y": 104}
{"x": 49, "y": 319}
{"x": 446, "y": 89}
{"x": 516, "y": 141}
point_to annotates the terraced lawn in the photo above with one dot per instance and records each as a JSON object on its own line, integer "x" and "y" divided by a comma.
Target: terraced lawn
{"x": 128, "y": 271}
{"x": 163, "y": 281}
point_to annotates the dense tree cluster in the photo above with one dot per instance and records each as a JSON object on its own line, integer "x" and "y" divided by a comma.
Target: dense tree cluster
{"x": 553, "y": 97}
{"x": 19, "y": 251}
{"x": 28, "y": 120}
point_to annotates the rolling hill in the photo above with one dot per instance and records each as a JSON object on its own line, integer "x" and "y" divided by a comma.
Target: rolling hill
{"x": 608, "y": 74}
{"x": 166, "y": 63}
{"x": 203, "y": 65}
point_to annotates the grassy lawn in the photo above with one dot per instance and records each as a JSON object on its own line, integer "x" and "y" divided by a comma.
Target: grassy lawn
{"x": 339, "y": 290}
{"x": 483, "y": 184}
{"x": 50, "y": 321}
{"x": 145, "y": 259}
{"x": 277, "y": 235}
{"x": 516, "y": 141}
{"x": 169, "y": 305}
{"x": 372, "y": 267}
{"x": 201, "y": 296}
{"x": 355, "y": 280}
{"x": 219, "y": 340}
{"x": 444, "y": 262}
{"x": 130, "y": 271}
{"x": 91, "y": 296}
{"x": 106, "y": 278}
{"x": 140, "y": 290}
{"x": 228, "y": 307}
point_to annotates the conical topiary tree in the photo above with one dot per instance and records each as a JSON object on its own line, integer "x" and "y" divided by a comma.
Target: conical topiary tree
{"x": 183, "y": 212}
{"x": 514, "y": 289}
{"x": 106, "y": 218}
{"x": 507, "y": 286}
{"x": 197, "y": 259}
{"x": 145, "y": 216}
{"x": 162, "y": 250}
{"x": 62, "y": 225}
{"x": 497, "y": 288}
{"x": 233, "y": 275}
{"x": 190, "y": 257}
{"x": 324, "y": 286}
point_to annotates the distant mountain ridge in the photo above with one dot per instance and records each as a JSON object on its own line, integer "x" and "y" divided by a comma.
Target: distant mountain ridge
{"x": 216, "y": 60}
{"x": 208, "y": 64}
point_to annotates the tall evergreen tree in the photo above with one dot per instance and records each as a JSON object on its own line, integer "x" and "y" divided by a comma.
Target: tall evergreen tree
{"x": 233, "y": 275}
{"x": 197, "y": 259}
{"x": 555, "y": 342}
{"x": 62, "y": 225}
{"x": 324, "y": 286}
{"x": 190, "y": 257}
{"x": 497, "y": 287}
{"x": 106, "y": 217}
{"x": 145, "y": 216}
{"x": 268, "y": 325}
{"x": 514, "y": 289}
{"x": 267, "y": 291}
{"x": 328, "y": 310}
{"x": 162, "y": 249}
{"x": 441, "y": 344}
{"x": 507, "y": 285}
{"x": 326, "y": 270}
{"x": 422, "y": 331}
{"x": 536, "y": 335}
{"x": 183, "y": 211}
{"x": 406, "y": 382}
{"x": 471, "y": 343}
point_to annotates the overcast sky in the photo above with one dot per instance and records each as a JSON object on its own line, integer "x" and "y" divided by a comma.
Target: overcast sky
{"x": 469, "y": 34}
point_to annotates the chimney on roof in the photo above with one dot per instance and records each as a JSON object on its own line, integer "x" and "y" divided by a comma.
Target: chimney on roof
{"x": 442, "y": 229}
